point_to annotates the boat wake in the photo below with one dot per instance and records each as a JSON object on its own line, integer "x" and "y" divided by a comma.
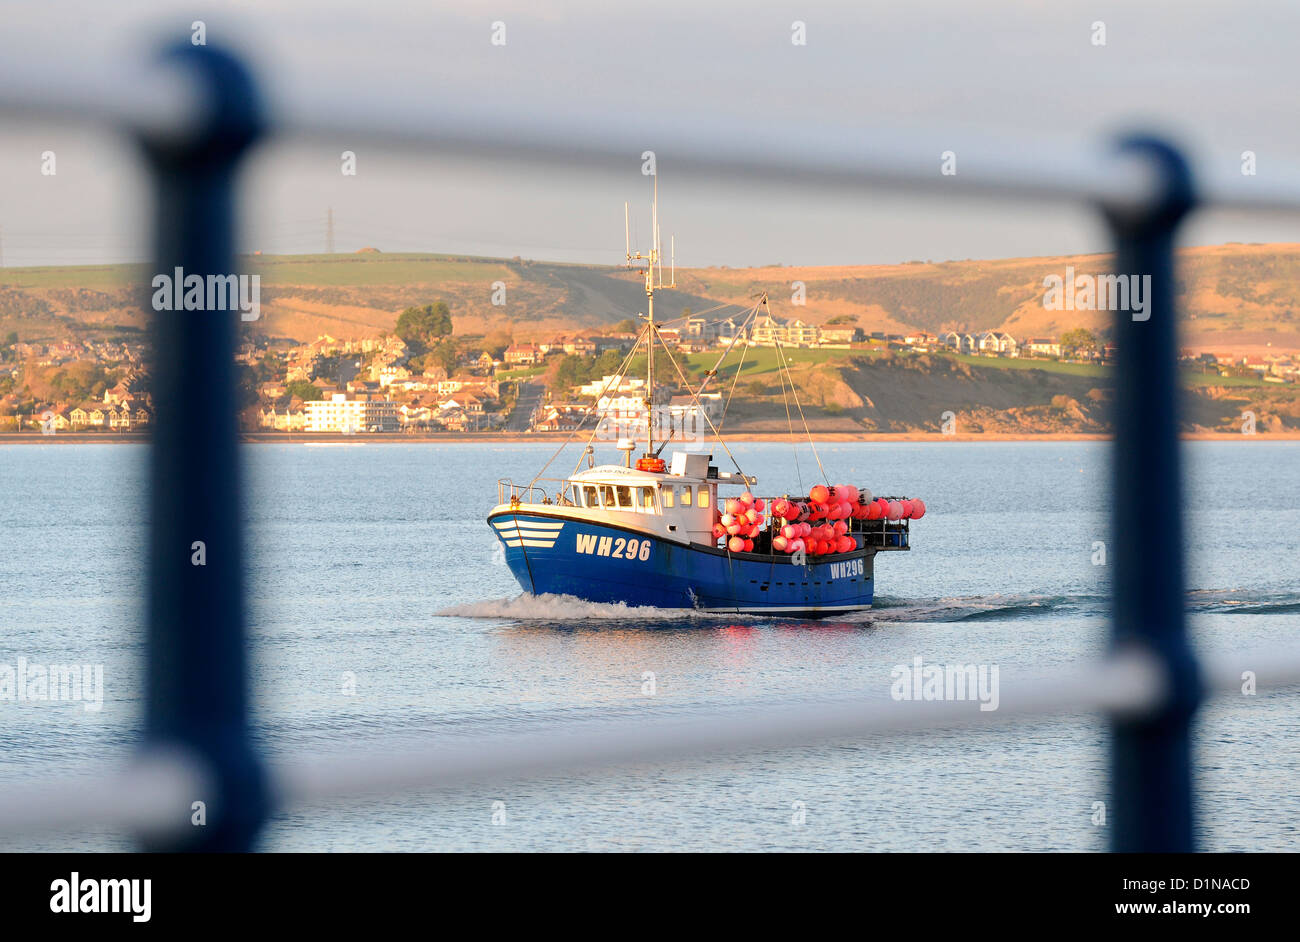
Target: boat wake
{"x": 984, "y": 608}
{"x": 1236, "y": 602}
{"x": 1010, "y": 607}
{"x": 568, "y": 609}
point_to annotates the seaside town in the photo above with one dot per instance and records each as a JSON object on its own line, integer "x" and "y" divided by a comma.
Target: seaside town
{"x": 422, "y": 379}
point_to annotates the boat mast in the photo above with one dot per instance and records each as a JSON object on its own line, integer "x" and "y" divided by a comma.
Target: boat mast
{"x": 650, "y": 332}
{"x": 654, "y": 280}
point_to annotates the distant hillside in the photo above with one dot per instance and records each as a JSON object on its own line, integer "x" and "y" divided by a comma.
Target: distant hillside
{"x": 845, "y": 391}
{"x": 350, "y": 295}
{"x": 1235, "y": 297}
{"x": 911, "y": 392}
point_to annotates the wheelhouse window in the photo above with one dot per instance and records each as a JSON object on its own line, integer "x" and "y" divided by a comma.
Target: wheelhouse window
{"x": 607, "y": 495}
{"x": 624, "y": 497}
{"x": 686, "y": 495}
{"x": 589, "y": 496}
{"x": 648, "y": 499}
{"x": 703, "y": 495}
{"x": 667, "y": 494}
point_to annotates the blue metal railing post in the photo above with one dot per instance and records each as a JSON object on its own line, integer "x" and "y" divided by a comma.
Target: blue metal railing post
{"x": 197, "y": 689}
{"x": 1151, "y": 756}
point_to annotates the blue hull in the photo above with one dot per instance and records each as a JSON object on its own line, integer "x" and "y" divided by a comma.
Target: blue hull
{"x": 553, "y": 554}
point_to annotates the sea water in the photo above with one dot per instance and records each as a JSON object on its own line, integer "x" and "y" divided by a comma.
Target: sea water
{"x": 382, "y": 617}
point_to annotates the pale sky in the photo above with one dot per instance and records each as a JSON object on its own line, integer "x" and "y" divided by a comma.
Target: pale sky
{"x": 1221, "y": 76}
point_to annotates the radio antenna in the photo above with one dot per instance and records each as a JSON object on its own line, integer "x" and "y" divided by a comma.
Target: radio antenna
{"x": 654, "y": 280}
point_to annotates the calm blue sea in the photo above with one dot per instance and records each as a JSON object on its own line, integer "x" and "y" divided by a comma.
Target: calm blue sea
{"x": 373, "y": 561}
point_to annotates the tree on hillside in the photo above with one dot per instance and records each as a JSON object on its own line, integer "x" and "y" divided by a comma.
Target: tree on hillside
{"x": 1078, "y": 342}
{"x": 82, "y": 379}
{"x": 628, "y": 325}
{"x": 496, "y": 342}
{"x": 302, "y": 389}
{"x": 572, "y": 370}
{"x": 445, "y": 355}
{"x": 607, "y": 363}
{"x": 246, "y": 384}
{"x": 424, "y": 326}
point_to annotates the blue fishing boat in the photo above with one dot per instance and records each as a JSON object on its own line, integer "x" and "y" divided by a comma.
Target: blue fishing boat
{"x": 665, "y": 533}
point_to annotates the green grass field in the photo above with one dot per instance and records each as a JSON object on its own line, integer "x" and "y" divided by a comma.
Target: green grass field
{"x": 327, "y": 270}
{"x": 99, "y": 277}
{"x": 756, "y": 361}
{"x": 375, "y": 269}
{"x": 1190, "y": 377}
{"x": 1015, "y": 363}
{"x": 752, "y": 363}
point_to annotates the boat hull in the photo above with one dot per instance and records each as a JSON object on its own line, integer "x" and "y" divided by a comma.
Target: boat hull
{"x": 553, "y": 554}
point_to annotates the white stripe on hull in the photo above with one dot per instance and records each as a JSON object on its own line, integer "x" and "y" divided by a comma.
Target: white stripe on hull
{"x": 535, "y": 524}
{"x": 517, "y": 534}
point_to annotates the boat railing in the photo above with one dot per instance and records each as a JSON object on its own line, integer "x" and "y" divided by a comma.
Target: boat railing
{"x": 884, "y": 534}
{"x": 508, "y": 492}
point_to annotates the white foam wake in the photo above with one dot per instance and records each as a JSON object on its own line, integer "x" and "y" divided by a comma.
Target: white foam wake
{"x": 564, "y": 608}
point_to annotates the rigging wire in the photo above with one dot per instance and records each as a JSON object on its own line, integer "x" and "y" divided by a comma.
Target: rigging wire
{"x": 616, "y": 376}
{"x": 649, "y": 334}
{"x": 735, "y": 381}
{"x": 711, "y": 374}
{"x": 789, "y": 421}
{"x": 780, "y": 351}
{"x": 700, "y": 406}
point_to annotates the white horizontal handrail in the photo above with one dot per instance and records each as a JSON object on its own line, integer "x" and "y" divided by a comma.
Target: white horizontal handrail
{"x": 157, "y": 795}
{"x": 858, "y": 154}
{"x": 151, "y": 795}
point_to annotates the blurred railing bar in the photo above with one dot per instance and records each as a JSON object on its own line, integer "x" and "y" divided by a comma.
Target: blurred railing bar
{"x": 1151, "y": 756}
{"x": 160, "y": 101}
{"x": 155, "y": 794}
